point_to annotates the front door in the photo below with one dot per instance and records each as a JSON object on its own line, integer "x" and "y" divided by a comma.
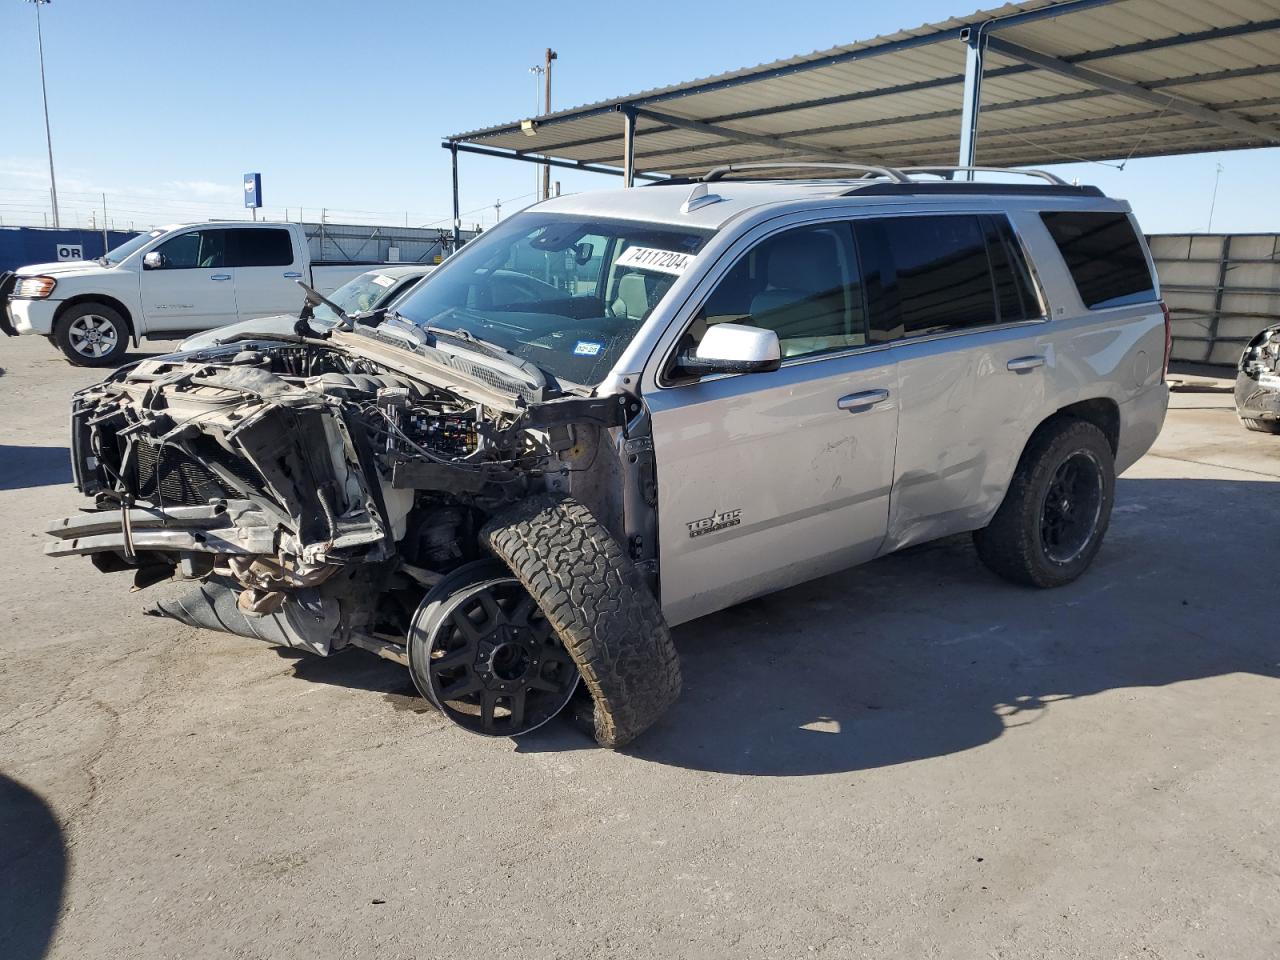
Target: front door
{"x": 769, "y": 479}
{"x": 193, "y": 288}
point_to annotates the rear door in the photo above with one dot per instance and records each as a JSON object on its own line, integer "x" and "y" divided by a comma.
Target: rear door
{"x": 193, "y": 288}
{"x": 770, "y": 479}
{"x": 267, "y": 269}
{"x": 966, "y": 326}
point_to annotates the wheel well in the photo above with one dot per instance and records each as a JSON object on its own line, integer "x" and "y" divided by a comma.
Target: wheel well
{"x": 111, "y": 302}
{"x": 1102, "y": 413}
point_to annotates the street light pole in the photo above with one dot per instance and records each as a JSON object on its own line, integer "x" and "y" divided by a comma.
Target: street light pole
{"x": 48, "y": 137}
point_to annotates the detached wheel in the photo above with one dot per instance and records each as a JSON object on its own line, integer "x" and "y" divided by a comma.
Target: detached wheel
{"x": 483, "y": 653}
{"x": 1261, "y": 426}
{"x": 91, "y": 335}
{"x": 599, "y": 604}
{"x": 1056, "y": 511}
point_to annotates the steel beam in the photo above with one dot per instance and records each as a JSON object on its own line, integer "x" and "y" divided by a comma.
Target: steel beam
{"x": 740, "y": 136}
{"x": 549, "y": 161}
{"x": 975, "y": 40}
{"x": 1132, "y": 91}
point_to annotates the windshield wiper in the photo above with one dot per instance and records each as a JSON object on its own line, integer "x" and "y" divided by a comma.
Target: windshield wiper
{"x": 495, "y": 351}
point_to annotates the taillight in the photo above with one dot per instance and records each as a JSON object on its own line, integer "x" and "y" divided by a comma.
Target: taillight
{"x": 1168, "y": 340}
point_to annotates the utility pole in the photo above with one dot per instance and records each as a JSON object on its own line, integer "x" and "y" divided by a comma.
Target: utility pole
{"x": 546, "y": 169}
{"x": 105, "y": 245}
{"x": 48, "y": 137}
{"x": 497, "y": 210}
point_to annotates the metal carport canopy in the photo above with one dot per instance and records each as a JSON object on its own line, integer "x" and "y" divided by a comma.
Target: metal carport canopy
{"x": 1055, "y": 82}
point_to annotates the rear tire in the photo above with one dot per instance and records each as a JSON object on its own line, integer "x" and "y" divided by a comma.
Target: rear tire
{"x": 1056, "y": 510}
{"x": 1261, "y": 426}
{"x": 91, "y": 335}
{"x": 599, "y": 605}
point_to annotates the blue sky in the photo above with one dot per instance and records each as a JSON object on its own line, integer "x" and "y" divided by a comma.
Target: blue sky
{"x": 163, "y": 105}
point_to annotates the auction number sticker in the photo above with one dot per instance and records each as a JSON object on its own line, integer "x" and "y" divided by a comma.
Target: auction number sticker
{"x": 651, "y": 258}
{"x": 382, "y": 281}
{"x": 587, "y": 348}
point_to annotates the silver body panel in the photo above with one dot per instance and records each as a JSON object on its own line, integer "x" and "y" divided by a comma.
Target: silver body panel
{"x": 765, "y": 481}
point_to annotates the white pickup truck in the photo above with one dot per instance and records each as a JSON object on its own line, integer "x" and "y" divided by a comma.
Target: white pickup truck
{"x": 165, "y": 284}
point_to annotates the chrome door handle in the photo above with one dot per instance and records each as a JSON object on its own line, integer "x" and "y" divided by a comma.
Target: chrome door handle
{"x": 857, "y": 402}
{"x": 1018, "y": 364}
{"x": 220, "y": 276}
{"x": 293, "y": 275}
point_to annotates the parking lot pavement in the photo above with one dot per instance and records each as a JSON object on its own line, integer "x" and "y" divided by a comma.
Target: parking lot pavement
{"x": 908, "y": 759}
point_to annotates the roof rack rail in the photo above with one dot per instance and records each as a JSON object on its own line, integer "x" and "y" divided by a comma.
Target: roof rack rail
{"x": 950, "y": 172}
{"x": 897, "y": 176}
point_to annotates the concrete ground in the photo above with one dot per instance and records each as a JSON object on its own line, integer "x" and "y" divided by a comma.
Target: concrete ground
{"x": 909, "y": 759}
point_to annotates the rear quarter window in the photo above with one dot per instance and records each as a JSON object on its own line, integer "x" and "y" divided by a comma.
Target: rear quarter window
{"x": 261, "y": 247}
{"x": 1104, "y": 256}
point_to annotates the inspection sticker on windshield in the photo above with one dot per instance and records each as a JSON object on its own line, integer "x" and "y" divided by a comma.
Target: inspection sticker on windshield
{"x": 651, "y": 258}
{"x": 587, "y": 348}
{"x": 382, "y": 281}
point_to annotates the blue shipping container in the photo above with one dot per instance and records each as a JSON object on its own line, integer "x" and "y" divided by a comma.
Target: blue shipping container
{"x": 20, "y": 246}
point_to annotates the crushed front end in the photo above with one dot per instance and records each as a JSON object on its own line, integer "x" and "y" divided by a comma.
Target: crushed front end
{"x": 1257, "y": 391}
{"x": 308, "y": 493}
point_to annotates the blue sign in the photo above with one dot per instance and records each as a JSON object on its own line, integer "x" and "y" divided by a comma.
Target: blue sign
{"x": 253, "y": 190}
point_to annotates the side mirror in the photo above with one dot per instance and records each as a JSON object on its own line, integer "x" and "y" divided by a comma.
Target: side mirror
{"x": 732, "y": 348}
{"x": 153, "y": 260}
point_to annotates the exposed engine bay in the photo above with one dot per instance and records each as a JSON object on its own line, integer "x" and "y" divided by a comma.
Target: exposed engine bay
{"x": 312, "y": 492}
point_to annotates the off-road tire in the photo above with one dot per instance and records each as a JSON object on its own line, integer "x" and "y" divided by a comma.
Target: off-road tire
{"x": 62, "y": 334}
{"x": 598, "y": 602}
{"x": 1011, "y": 545}
{"x": 1261, "y": 426}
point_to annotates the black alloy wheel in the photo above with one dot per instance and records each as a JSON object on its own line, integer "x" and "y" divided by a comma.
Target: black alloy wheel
{"x": 1072, "y": 507}
{"x": 487, "y": 658}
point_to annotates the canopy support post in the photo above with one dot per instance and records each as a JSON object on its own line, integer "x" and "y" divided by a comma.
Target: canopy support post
{"x": 457, "y": 216}
{"x": 975, "y": 39}
{"x": 628, "y": 146}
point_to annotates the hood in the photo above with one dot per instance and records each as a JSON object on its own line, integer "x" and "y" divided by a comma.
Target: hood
{"x": 61, "y": 268}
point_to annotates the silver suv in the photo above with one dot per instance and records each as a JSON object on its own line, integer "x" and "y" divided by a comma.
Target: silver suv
{"x": 620, "y": 411}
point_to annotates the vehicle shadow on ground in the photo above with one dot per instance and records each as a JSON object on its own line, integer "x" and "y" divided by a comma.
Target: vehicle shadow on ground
{"x": 33, "y": 872}
{"x": 22, "y": 467}
{"x": 925, "y": 653}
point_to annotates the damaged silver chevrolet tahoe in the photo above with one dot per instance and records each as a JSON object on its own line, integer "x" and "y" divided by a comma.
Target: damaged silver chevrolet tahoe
{"x": 620, "y": 411}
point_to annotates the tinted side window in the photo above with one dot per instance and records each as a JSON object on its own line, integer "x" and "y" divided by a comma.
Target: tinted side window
{"x": 197, "y": 249}
{"x": 1104, "y": 256}
{"x": 261, "y": 248}
{"x": 1014, "y": 291}
{"x": 934, "y": 270}
{"x": 803, "y": 284}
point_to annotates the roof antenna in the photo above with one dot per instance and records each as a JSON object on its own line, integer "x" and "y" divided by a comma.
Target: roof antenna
{"x": 699, "y": 196}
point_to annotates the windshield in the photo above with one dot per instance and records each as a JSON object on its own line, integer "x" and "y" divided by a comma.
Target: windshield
{"x": 116, "y": 254}
{"x": 366, "y": 292}
{"x": 565, "y": 293}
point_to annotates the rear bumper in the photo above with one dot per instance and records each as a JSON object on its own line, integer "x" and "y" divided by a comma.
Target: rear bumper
{"x": 32, "y": 316}
{"x": 1141, "y": 420}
